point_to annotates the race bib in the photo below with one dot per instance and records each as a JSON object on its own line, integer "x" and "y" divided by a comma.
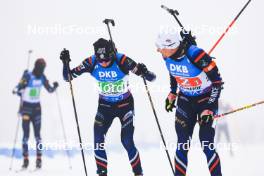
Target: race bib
{"x": 34, "y": 93}
{"x": 113, "y": 88}
{"x": 189, "y": 82}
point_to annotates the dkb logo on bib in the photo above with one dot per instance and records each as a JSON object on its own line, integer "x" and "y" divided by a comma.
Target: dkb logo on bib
{"x": 179, "y": 68}
{"x": 108, "y": 74}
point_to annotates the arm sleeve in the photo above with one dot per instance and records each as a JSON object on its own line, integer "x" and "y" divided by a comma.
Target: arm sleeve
{"x": 173, "y": 85}
{"x": 203, "y": 61}
{"x": 47, "y": 86}
{"x": 23, "y": 81}
{"x": 130, "y": 65}
{"x": 85, "y": 67}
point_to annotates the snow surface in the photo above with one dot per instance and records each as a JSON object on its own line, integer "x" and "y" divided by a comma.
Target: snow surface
{"x": 137, "y": 24}
{"x": 154, "y": 161}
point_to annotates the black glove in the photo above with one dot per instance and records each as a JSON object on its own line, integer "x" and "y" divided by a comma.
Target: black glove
{"x": 170, "y": 102}
{"x": 141, "y": 69}
{"x": 15, "y": 91}
{"x": 65, "y": 56}
{"x": 206, "y": 119}
{"x": 187, "y": 39}
{"x": 55, "y": 84}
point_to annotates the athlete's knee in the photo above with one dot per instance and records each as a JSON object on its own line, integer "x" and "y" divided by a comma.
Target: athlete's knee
{"x": 180, "y": 124}
{"x": 127, "y": 129}
{"x": 99, "y": 120}
{"x": 182, "y": 129}
{"x": 99, "y": 128}
{"x": 128, "y": 117}
{"x": 25, "y": 117}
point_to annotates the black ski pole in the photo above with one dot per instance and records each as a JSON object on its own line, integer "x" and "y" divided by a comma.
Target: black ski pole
{"x": 107, "y": 21}
{"x": 63, "y": 128}
{"x": 76, "y": 115}
{"x": 29, "y": 54}
{"x": 189, "y": 37}
{"x": 18, "y": 118}
{"x": 159, "y": 127}
{"x": 174, "y": 13}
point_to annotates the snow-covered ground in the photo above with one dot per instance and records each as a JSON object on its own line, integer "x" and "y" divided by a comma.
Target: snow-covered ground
{"x": 245, "y": 161}
{"x": 48, "y": 26}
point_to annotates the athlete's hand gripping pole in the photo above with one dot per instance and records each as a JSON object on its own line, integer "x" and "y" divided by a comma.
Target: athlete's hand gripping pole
{"x": 65, "y": 57}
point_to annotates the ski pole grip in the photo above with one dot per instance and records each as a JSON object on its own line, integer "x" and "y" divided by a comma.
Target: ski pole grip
{"x": 171, "y": 11}
{"x": 107, "y": 21}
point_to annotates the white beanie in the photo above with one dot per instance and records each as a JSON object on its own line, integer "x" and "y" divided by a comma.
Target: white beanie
{"x": 168, "y": 40}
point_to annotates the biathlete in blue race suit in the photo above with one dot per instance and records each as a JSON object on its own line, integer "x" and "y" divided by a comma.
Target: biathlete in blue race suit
{"x": 195, "y": 75}
{"x": 29, "y": 89}
{"x": 111, "y": 70}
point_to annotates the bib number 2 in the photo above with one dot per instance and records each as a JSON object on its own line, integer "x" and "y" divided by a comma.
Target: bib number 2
{"x": 189, "y": 82}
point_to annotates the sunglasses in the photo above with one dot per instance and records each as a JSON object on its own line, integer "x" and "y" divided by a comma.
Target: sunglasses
{"x": 103, "y": 60}
{"x": 160, "y": 46}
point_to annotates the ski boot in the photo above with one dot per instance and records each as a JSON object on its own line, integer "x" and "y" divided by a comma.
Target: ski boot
{"x": 25, "y": 163}
{"x": 38, "y": 163}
